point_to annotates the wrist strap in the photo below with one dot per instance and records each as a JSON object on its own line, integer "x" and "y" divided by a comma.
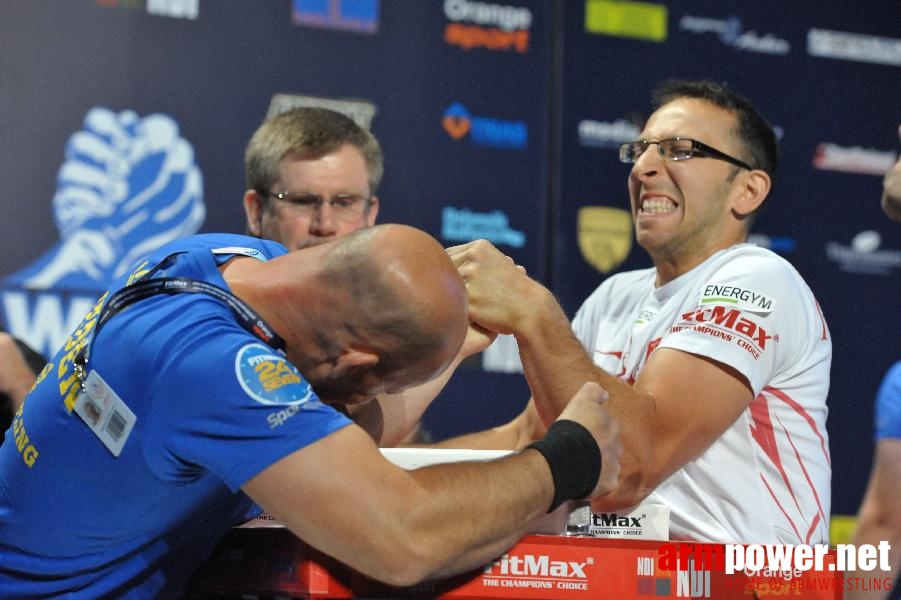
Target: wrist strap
{"x": 574, "y": 458}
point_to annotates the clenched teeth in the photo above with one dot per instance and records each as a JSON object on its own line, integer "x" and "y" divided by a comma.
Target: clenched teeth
{"x": 657, "y": 205}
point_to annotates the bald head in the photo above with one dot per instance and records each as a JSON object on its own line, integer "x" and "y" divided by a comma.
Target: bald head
{"x": 408, "y": 303}
{"x": 381, "y": 309}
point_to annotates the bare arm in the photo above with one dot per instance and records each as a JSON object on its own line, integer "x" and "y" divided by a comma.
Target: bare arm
{"x": 343, "y": 497}
{"x": 666, "y": 418}
{"x": 879, "y": 518}
{"x": 891, "y": 196}
{"x": 16, "y": 377}
{"x": 524, "y": 429}
{"x": 391, "y": 417}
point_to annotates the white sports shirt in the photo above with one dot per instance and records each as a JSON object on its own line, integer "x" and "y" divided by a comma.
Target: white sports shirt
{"x": 767, "y": 478}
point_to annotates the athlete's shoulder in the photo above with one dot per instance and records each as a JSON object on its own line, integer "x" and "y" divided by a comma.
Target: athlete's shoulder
{"x": 752, "y": 264}
{"x": 750, "y": 254}
{"x": 219, "y": 246}
{"x": 224, "y": 243}
{"x": 618, "y": 290}
{"x": 626, "y": 280}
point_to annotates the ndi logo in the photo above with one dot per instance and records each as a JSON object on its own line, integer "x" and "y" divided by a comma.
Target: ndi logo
{"x": 484, "y": 131}
{"x": 128, "y": 185}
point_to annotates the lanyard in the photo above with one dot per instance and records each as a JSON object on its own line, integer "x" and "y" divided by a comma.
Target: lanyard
{"x": 246, "y": 316}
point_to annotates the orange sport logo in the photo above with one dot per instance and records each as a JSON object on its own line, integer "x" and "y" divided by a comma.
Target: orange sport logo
{"x": 494, "y": 27}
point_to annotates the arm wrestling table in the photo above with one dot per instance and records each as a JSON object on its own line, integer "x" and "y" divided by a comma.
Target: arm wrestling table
{"x": 267, "y": 560}
{"x": 272, "y": 562}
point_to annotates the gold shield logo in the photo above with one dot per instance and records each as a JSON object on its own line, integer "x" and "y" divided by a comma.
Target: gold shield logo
{"x": 605, "y": 236}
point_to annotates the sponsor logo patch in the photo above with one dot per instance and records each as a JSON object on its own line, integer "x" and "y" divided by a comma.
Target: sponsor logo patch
{"x": 735, "y": 296}
{"x": 268, "y": 378}
{"x": 727, "y": 324}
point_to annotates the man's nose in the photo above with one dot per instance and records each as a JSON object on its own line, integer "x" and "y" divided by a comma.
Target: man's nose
{"x": 324, "y": 218}
{"x": 649, "y": 162}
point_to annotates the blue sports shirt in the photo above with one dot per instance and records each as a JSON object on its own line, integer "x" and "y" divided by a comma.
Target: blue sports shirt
{"x": 888, "y": 404}
{"x": 212, "y": 407}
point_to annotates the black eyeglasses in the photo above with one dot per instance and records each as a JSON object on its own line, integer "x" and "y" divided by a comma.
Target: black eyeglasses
{"x": 347, "y": 207}
{"x": 677, "y": 149}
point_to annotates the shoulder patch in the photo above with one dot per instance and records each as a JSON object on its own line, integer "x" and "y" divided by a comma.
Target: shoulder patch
{"x": 268, "y": 377}
{"x": 251, "y": 252}
{"x": 737, "y": 297}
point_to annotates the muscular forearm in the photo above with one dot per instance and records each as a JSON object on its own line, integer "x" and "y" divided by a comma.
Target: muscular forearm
{"x": 677, "y": 406}
{"x": 342, "y": 496}
{"x": 556, "y": 364}
{"x": 497, "y": 517}
{"x": 402, "y": 526}
{"x": 514, "y": 490}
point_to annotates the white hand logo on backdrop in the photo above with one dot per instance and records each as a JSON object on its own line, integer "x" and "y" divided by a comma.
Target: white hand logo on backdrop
{"x": 127, "y": 186}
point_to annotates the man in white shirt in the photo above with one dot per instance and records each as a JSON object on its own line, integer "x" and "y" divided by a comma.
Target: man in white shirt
{"x": 716, "y": 360}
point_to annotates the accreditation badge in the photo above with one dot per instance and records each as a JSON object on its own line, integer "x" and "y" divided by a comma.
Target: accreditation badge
{"x": 105, "y": 413}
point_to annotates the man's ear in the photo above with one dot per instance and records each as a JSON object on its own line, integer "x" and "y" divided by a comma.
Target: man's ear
{"x": 353, "y": 359}
{"x": 753, "y": 190}
{"x": 253, "y": 212}
{"x": 372, "y": 211}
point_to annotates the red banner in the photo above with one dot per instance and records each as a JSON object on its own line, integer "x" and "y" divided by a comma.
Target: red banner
{"x": 539, "y": 567}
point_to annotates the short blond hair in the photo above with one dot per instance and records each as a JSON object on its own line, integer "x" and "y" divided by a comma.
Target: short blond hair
{"x": 309, "y": 132}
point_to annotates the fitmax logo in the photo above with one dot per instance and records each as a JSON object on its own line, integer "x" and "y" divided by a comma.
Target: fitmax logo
{"x": 614, "y": 520}
{"x": 731, "y": 319}
{"x": 530, "y": 565}
{"x": 483, "y": 131}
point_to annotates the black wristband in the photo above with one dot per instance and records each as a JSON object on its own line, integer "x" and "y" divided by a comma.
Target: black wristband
{"x": 574, "y": 458}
